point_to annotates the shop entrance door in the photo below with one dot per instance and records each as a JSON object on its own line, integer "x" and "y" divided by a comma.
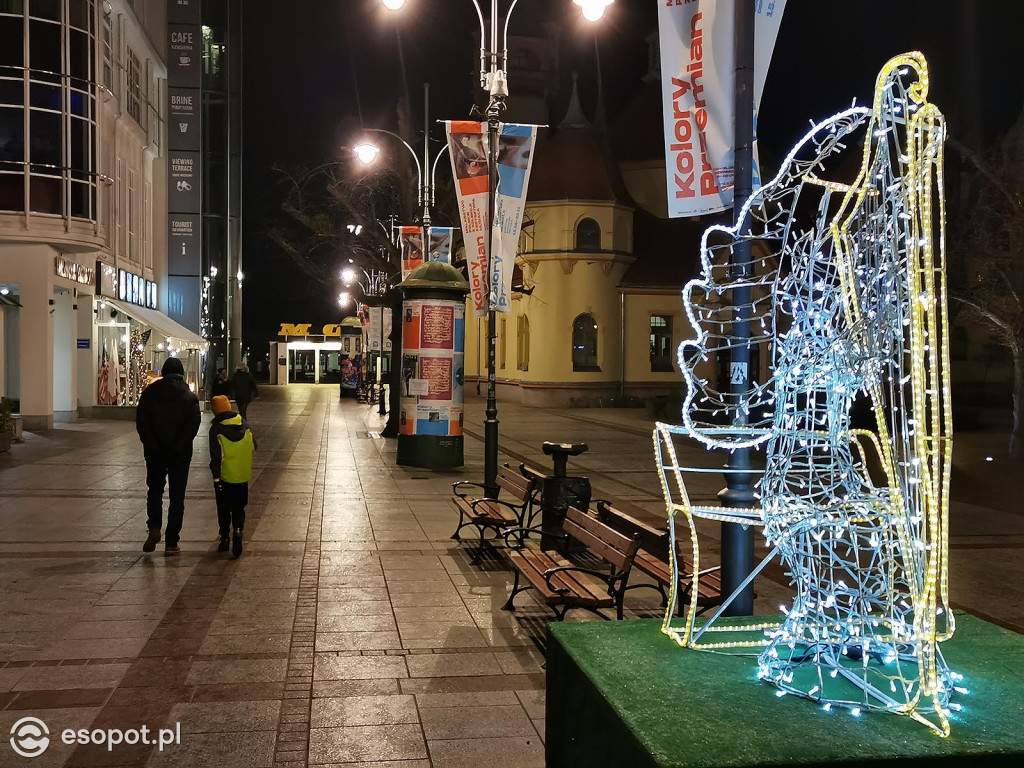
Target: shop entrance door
{"x": 302, "y": 366}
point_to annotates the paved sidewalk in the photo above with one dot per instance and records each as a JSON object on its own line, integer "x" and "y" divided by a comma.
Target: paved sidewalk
{"x": 352, "y": 632}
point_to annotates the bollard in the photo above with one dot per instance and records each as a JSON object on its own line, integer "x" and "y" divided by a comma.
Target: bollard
{"x": 431, "y": 376}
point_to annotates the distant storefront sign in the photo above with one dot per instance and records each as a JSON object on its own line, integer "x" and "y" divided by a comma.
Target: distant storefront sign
{"x": 73, "y": 271}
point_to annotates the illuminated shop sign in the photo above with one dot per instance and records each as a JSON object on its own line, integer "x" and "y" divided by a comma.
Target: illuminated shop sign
{"x": 136, "y": 290}
{"x": 73, "y": 271}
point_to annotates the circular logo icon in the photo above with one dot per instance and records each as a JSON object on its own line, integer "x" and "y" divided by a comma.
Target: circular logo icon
{"x": 30, "y": 737}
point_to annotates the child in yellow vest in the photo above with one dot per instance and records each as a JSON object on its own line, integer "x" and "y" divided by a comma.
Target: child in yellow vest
{"x": 231, "y": 448}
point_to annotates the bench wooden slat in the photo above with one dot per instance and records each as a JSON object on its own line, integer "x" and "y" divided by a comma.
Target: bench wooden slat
{"x": 615, "y": 547}
{"x": 582, "y": 588}
{"x": 608, "y": 552}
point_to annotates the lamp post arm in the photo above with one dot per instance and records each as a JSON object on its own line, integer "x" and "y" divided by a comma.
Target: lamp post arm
{"x": 433, "y": 172}
{"x": 504, "y": 38}
{"x": 415, "y": 157}
{"x": 483, "y": 44}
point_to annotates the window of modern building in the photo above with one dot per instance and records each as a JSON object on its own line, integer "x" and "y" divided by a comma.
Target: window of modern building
{"x": 134, "y": 96}
{"x": 523, "y": 342}
{"x": 48, "y": 107}
{"x": 584, "y": 344}
{"x": 502, "y": 344}
{"x": 661, "y": 343}
{"x": 108, "y": 53}
{"x": 133, "y": 218}
{"x": 119, "y": 209}
{"x": 588, "y": 235}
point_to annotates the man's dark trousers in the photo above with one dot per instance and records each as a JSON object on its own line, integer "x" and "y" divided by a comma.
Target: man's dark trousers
{"x": 172, "y": 470}
{"x": 232, "y": 499}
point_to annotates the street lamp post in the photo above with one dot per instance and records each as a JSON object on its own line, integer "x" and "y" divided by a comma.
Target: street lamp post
{"x": 493, "y": 80}
{"x": 738, "y": 540}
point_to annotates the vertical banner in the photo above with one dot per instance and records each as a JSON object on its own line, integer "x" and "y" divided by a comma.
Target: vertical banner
{"x": 468, "y": 144}
{"x": 441, "y": 244}
{"x": 516, "y": 144}
{"x": 433, "y": 351}
{"x": 697, "y": 71}
{"x": 410, "y": 241}
{"x": 377, "y": 328}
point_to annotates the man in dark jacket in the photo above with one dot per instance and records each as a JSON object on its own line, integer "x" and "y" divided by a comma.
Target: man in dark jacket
{"x": 167, "y": 420}
{"x": 243, "y": 385}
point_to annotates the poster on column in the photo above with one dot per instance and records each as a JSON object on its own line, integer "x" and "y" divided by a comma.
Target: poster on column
{"x": 467, "y": 141}
{"x": 515, "y": 158}
{"x": 698, "y": 67}
{"x": 433, "y": 333}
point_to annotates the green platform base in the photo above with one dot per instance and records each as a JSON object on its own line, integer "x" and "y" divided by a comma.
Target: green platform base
{"x": 622, "y": 695}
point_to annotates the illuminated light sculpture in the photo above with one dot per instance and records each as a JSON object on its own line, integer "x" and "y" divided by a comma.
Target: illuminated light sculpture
{"x": 849, "y": 300}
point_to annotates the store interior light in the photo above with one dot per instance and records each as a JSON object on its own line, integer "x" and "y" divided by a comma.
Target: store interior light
{"x": 593, "y": 10}
{"x": 393, "y": 5}
{"x": 366, "y": 152}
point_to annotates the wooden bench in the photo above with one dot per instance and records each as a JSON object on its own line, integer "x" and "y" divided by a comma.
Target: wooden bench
{"x": 495, "y": 515}
{"x": 652, "y": 559}
{"x": 565, "y": 586}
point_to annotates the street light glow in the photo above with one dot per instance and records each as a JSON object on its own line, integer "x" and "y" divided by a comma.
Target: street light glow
{"x": 343, "y": 298}
{"x": 593, "y": 10}
{"x": 366, "y": 152}
{"x": 348, "y": 275}
{"x": 393, "y": 5}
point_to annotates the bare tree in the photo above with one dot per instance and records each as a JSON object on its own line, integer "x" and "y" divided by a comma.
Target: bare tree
{"x": 987, "y": 253}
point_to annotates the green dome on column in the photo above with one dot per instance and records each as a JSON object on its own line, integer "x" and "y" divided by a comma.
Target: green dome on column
{"x": 436, "y": 275}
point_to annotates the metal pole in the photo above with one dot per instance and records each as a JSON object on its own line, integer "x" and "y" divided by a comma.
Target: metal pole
{"x": 738, "y": 540}
{"x": 491, "y": 413}
{"x": 425, "y": 183}
{"x": 382, "y": 407}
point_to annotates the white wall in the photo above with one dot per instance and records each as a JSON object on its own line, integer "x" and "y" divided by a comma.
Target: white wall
{"x": 64, "y": 394}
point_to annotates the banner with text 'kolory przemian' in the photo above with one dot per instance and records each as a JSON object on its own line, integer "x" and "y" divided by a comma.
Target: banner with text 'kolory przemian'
{"x": 516, "y": 145}
{"x": 698, "y": 67}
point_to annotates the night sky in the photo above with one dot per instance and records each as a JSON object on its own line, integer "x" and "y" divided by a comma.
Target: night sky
{"x": 315, "y": 69}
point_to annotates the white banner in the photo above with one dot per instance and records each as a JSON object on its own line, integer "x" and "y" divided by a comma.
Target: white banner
{"x": 516, "y": 146}
{"x": 697, "y": 71}
{"x": 377, "y": 333}
{"x": 468, "y": 144}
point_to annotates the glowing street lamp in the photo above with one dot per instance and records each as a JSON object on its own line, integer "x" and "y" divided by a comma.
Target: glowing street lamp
{"x": 592, "y": 10}
{"x": 394, "y": 5}
{"x": 366, "y": 152}
{"x": 348, "y": 275}
{"x": 343, "y": 299}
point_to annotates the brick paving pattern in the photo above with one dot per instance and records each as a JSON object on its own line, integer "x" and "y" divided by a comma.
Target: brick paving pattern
{"x": 352, "y": 632}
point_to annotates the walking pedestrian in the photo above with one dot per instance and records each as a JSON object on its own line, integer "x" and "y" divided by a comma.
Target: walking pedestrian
{"x": 231, "y": 448}
{"x": 221, "y": 384}
{"x": 167, "y": 420}
{"x": 243, "y": 384}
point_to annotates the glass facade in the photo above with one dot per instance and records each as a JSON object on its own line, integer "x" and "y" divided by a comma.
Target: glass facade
{"x": 48, "y": 107}
{"x": 222, "y": 182}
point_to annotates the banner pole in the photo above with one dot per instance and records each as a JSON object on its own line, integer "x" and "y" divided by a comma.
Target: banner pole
{"x": 494, "y": 106}
{"x": 738, "y": 540}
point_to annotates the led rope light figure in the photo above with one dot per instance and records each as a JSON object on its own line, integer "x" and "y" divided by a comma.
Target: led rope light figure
{"x": 854, "y": 306}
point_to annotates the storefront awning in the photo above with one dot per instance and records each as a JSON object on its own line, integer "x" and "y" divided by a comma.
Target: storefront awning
{"x": 162, "y": 325}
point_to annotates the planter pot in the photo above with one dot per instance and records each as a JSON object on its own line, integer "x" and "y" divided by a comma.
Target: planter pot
{"x": 5, "y": 442}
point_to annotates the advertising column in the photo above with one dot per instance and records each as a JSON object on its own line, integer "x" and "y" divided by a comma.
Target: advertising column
{"x": 184, "y": 145}
{"x": 431, "y": 378}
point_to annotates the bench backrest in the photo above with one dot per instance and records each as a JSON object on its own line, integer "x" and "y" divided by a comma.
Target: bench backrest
{"x": 531, "y": 473}
{"x": 515, "y": 484}
{"x": 601, "y": 539}
{"x": 651, "y": 540}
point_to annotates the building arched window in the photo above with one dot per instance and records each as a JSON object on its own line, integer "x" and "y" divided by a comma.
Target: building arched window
{"x": 588, "y": 235}
{"x": 523, "y": 342}
{"x": 584, "y": 344}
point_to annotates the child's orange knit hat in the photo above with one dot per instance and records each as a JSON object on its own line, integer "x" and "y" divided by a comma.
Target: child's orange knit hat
{"x": 220, "y": 404}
